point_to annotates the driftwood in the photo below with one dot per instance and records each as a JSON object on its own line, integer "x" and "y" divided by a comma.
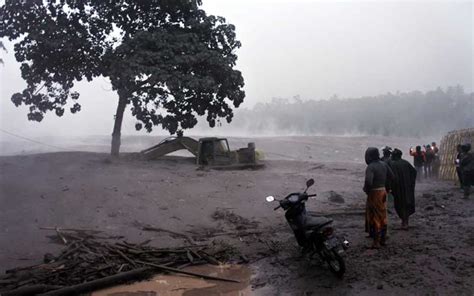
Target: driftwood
{"x": 88, "y": 262}
{"x": 30, "y": 290}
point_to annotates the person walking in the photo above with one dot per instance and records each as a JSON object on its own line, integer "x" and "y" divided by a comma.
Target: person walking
{"x": 378, "y": 176}
{"x": 418, "y": 160}
{"x": 403, "y": 186}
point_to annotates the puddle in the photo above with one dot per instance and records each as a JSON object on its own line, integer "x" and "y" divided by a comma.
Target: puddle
{"x": 182, "y": 285}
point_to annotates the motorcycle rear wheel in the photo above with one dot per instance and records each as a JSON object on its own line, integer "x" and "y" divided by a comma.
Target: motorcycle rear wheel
{"x": 335, "y": 262}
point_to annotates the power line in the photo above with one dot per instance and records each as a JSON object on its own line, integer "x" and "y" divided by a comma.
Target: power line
{"x": 31, "y": 140}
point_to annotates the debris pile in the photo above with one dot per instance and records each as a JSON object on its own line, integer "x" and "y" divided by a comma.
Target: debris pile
{"x": 90, "y": 262}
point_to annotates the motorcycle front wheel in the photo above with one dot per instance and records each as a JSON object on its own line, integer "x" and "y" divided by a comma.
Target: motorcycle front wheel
{"x": 336, "y": 263}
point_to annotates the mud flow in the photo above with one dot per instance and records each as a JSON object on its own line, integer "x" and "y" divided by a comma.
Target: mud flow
{"x": 179, "y": 285}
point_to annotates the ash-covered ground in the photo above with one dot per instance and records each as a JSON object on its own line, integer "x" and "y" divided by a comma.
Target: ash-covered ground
{"x": 90, "y": 190}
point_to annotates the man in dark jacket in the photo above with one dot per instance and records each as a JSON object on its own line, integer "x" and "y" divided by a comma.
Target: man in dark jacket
{"x": 429, "y": 158}
{"x": 467, "y": 169}
{"x": 457, "y": 163}
{"x": 378, "y": 176}
{"x": 403, "y": 186}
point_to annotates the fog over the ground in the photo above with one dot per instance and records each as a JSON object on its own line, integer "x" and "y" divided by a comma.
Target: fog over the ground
{"x": 313, "y": 49}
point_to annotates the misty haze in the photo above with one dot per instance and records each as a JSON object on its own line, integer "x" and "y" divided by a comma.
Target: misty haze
{"x": 149, "y": 142}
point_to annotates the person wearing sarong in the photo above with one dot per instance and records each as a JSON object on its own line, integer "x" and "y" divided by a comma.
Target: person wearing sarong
{"x": 403, "y": 186}
{"x": 378, "y": 176}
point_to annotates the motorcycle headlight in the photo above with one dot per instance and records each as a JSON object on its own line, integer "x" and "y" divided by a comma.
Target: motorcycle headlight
{"x": 345, "y": 244}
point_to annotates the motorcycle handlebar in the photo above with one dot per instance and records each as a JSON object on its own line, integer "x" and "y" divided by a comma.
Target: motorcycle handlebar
{"x": 304, "y": 197}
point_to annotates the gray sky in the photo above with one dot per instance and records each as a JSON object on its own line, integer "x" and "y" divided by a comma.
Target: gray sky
{"x": 309, "y": 48}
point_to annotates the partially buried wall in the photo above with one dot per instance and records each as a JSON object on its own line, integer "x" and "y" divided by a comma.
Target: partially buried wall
{"x": 448, "y": 151}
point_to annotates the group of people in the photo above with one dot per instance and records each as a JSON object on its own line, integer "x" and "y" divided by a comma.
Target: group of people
{"x": 426, "y": 160}
{"x": 465, "y": 168}
{"x": 390, "y": 174}
{"x": 387, "y": 175}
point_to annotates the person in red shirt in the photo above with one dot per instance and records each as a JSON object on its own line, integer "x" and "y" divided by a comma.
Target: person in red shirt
{"x": 419, "y": 160}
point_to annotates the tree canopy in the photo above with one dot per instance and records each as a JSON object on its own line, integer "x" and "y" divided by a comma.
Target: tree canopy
{"x": 167, "y": 58}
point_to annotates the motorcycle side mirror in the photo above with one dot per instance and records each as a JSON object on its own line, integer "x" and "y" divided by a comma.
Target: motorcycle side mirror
{"x": 309, "y": 183}
{"x": 270, "y": 198}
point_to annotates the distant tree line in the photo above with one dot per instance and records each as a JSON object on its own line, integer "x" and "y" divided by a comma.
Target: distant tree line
{"x": 413, "y": 113}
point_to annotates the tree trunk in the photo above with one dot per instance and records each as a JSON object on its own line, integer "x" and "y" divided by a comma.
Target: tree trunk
{"x": 118, "y": 125}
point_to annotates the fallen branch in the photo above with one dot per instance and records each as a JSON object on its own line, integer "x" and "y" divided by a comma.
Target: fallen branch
{"x": 29, "y": 290}
{"x": 70, "y": 229}
{"x": 87, "y": 260}
{"x": 157, "y": 229}
{"x": 61, "y": 236}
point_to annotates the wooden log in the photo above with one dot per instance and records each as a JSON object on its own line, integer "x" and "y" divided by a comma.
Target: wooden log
{"x": 101, "y": 283}
{"x": 29, "y": 290}
{"x": 70, "y": 229}
{"x": 126, "y": 258}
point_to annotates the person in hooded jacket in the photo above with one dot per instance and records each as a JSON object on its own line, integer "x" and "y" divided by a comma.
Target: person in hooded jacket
{"x": 378, "y": 177}
{"x": 387, "y": 152}
{"x": 403, "y": 186}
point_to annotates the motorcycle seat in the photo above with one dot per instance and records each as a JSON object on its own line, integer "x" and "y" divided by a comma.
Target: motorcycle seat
{"x": 316, "y": 222}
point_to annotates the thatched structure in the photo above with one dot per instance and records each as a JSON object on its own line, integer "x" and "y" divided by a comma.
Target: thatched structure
{"x": 448, "y": 151}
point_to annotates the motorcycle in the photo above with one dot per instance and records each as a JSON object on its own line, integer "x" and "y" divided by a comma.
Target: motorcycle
{"x": 312, "y": 233}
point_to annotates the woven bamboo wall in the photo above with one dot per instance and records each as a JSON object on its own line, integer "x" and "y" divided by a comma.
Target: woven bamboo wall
{"x": 448, "y": 151}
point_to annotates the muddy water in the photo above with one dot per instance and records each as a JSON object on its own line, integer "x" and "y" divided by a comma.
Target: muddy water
{"x": 181, "y": 285}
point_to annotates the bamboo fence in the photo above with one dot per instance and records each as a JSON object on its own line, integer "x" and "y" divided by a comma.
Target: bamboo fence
{"x": 448, "y": 151}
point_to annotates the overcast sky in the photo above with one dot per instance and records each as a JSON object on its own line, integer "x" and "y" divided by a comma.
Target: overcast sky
{"x": 314, "y": 49}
